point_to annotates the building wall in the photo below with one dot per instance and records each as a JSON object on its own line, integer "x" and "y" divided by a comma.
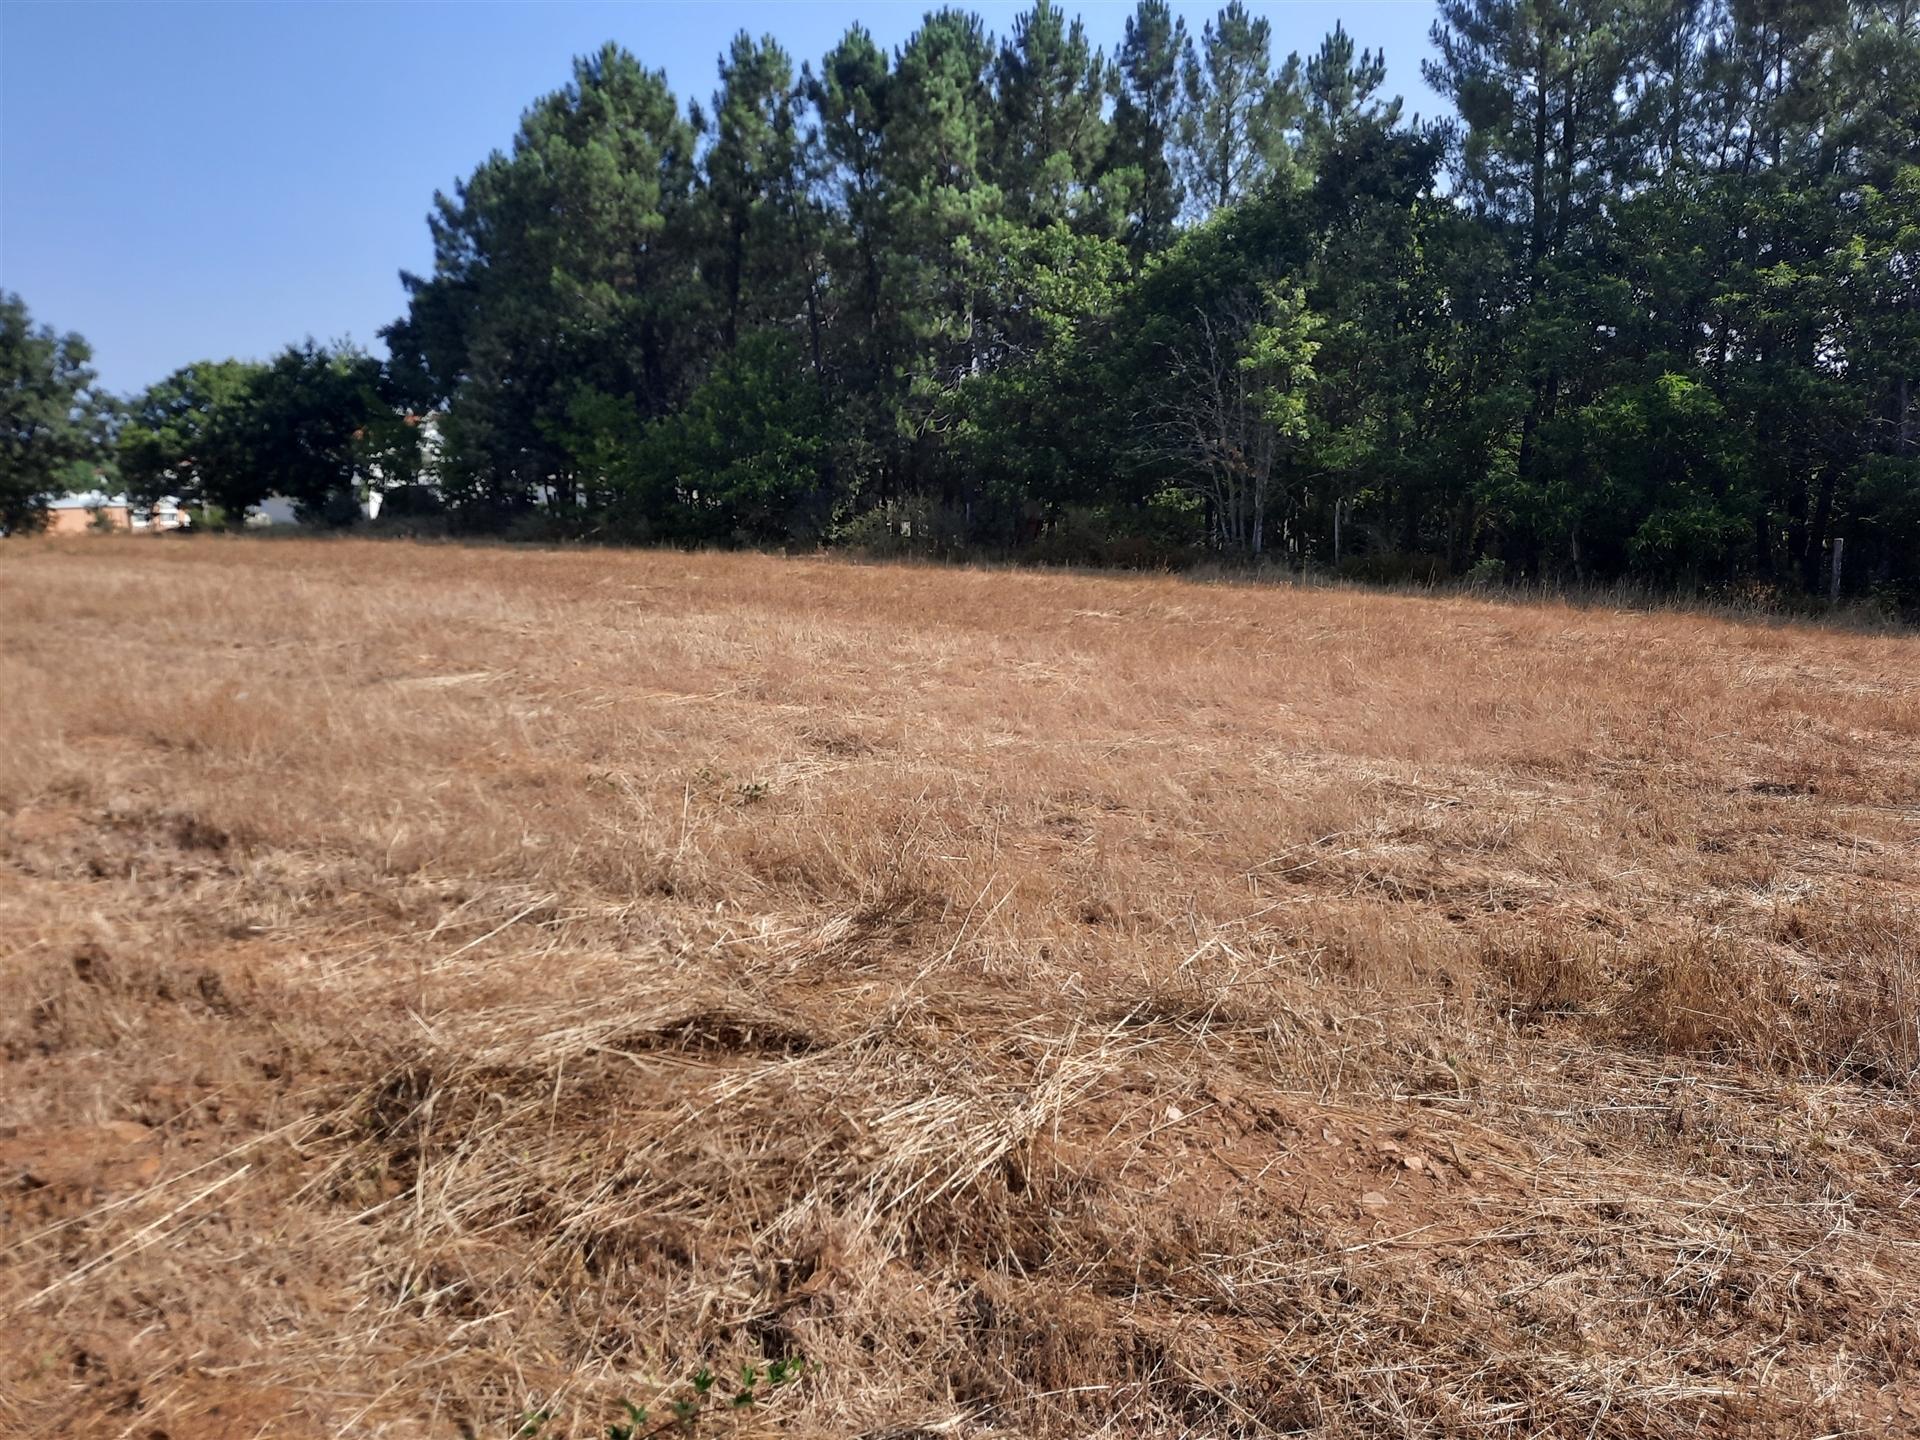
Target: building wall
{"x": 80, "y": 522}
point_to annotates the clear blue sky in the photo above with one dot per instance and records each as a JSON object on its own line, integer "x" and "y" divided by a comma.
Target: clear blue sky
{"x": 189, "y": 181}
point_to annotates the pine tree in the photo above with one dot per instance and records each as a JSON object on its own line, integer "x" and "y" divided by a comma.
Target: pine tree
{"x": 938, "y": 164}
{"x": 754, "y": 182}
{"x": 1236, "y": 127}
{"x": 1339, "y": 92}
{"x": 1146, "y": 100}
{"x": 1050, "y": 133}
{"x": 566, "y": 265}
{"x": 853, "y": 95}
{"x": 1539, "y": 86}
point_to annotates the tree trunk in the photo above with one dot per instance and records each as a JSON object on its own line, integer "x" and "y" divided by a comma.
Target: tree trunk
{"x": 736, "y": 270}
{"x": 1816, "y": 535}
{"x": 1537, "y": 240}
{"x": 813, "y": 337}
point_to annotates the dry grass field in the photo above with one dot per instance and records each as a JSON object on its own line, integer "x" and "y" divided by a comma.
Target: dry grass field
{"x": 442, "y": 985}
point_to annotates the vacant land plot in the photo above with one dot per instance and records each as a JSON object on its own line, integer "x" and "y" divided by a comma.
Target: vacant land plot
{"x": 440, "y": 986}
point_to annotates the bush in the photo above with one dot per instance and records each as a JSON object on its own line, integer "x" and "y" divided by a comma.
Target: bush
{"x": 1395, "y": 567}
{"x": 912, "y": 525}
{"x": 411, "y": 502}
{"x": 338, "y": 510}
{"x": 873, "y": 532}
{"x": 1487, "y": 572}
{"x": 1145, "y": 552}
{"x": 1076, "y": 537}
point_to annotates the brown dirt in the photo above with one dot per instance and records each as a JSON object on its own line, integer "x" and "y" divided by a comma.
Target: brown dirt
{"x": 440, "y": 984}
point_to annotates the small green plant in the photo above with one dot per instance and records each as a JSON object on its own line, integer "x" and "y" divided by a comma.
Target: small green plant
{"x": 634, "y": 1425}
{"x": 684, "y": 1414}
{"x": 722, "y": 788}
{"x": 1487, "y": 572}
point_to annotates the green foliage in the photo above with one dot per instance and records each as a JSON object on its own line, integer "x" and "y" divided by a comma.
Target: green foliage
{"x": 753, "y": 216}
{"x": 1654, "y": 480}
{"x": 1049, "y": 130}
{"x": 571, "y": 261}
{"x": 1887, "y": 505}
{"x": 702, "y": 1395}
{"x": 306, "y": 425}
{"x": 49, "y": 414}
{"x": 1340, "y": 86}
{"x": 168, "y": 444}
{"x": 748, "y": 457}
{"x": 1018, "y": 424}
{"x": 1146, "y": 115}
{"x": 298, "y": 432}
{"x": 1236, "y": 129}
{"x": 1277, "y": 361}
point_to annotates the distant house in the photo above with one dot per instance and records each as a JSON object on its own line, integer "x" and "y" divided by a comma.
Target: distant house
{"x": 378, "y": 484}
{"x": 166, "y": 513}
{"x": 83, "y": 513}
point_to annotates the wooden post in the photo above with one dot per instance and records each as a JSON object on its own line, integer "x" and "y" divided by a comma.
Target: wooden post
{"x": 1839, "y": 550}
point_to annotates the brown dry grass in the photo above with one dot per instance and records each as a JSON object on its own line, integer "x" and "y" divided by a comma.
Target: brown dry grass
{"x": 438, "y": 983}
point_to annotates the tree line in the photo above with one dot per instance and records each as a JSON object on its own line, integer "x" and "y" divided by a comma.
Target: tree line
{"x": 1646, "y": 306}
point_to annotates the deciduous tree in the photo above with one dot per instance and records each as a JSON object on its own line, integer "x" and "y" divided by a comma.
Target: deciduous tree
{"x": 49, "y": 413}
